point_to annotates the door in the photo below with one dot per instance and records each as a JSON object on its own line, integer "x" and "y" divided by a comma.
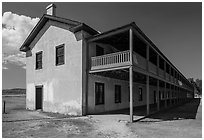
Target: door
{"x": 38, "y": 97}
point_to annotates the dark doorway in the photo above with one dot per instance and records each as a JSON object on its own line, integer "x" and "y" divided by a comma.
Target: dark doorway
{"x": 38, "y": 97}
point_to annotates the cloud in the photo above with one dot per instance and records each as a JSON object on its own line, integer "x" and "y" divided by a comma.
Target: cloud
{"x": 15, "y": 29}
{"x": 17, "y": 59}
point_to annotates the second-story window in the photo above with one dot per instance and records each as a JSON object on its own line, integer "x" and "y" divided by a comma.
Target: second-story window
{"x": 60, "y": 55}
{"x": 38, "y": 60}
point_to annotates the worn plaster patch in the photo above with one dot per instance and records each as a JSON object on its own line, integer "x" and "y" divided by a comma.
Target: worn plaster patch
{"x": 71, "y": 108}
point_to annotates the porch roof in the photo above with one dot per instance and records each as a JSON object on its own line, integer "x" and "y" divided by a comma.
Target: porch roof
{"x": 122, "y": 34}
{"x": 123, "y": 74}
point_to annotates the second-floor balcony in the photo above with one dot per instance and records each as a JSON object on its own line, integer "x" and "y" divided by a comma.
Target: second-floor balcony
{"x": 118, "y": 59}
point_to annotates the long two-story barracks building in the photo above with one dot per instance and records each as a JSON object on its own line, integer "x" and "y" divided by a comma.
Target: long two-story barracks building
{"x": 73, "y": 69}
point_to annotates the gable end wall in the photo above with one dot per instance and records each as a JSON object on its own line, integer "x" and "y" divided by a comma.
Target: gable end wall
{"x": 62, "y": 85}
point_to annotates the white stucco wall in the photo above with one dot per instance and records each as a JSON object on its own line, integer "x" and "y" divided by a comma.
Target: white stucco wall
{"x": 62, "y": 85}
{"x": 109, "y": 93}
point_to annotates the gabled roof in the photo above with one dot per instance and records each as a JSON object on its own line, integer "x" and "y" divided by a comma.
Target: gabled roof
{"x": 84, "y": 27}
{"x": 76, "y": 26}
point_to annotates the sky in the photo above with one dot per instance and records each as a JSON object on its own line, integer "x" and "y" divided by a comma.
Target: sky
{"x": 175, "y": 28}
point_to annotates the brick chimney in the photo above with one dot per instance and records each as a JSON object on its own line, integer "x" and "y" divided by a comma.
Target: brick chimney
{"x": 51, "y": 10}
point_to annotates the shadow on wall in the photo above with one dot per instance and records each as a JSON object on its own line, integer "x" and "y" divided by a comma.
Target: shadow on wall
{"x": 185, "y": 111}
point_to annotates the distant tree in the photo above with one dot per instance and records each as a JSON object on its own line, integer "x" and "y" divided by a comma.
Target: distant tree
{"x": 13, "y": 91}
{"x": 199, "y": 86}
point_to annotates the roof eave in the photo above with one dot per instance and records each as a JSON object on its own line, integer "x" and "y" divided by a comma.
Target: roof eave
{"x": 84, "y": 27}
{"x": 24, "y": 49}
{"x": 40, "y": 24}
{"x": 31, "y": 35}
{"x": 126, "y": 27}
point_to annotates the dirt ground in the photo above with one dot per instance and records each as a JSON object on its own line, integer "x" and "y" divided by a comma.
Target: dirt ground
{"x": 183, "y": 121}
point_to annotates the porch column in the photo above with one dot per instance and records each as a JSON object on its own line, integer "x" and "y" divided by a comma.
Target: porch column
{"x": 172, "y": 91}
{"x": 157, "y": 64}
{"x": 170, "y": 94}
{"x": 174, "y": 94}
{"x": 131, "y": 74}
{"x": 147, "y": 86}
{"x": 147, "y": 79}
{"x": 178, "y": 95}
{"x": 165, "y": 95}
{"x": 158, "y": 104}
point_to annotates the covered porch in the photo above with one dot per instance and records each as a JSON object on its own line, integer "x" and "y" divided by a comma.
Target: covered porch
{"x": 123, "y": 58}
{"x": 127, "y": 58}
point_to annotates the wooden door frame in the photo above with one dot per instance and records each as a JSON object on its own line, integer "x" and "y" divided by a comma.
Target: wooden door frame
{"x": 39, "y": 86}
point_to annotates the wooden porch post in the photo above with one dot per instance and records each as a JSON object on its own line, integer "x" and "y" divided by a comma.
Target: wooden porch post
{"x": 165, "y": 94}
{"x": 147, "y": 86}
{"x": 158, "y": 103}
{"x": 178, "y": 94}
{"x": 172, "y": 91}
{"x": 131, "y": 74}
{"x": 170, "y": 94}
{"x": 147, "y": 80}
{"x": 175, "y": 95}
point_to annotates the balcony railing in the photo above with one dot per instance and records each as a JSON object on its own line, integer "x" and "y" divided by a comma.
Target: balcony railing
{"x": 110, "y": 60}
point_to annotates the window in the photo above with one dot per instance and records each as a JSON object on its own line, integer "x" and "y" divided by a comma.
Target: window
{"x": 38, "y": 60}
{"x": 117, "y": 94}
{"x": 99, "y": 93}
{"x": 99, "y": 50}
{"x": 140, "y": 94}
{"x": 60, "y": 55}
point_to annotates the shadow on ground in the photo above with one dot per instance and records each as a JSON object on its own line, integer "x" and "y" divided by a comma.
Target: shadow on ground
{"x": 186, "y": 110}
